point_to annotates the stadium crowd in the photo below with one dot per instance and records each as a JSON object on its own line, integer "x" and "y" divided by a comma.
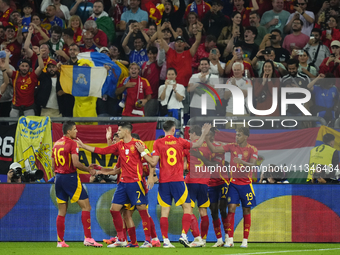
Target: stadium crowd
{"x": 258, "y": 44}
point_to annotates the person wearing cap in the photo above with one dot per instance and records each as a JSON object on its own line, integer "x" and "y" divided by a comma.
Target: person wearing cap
{"x": 24, "y": 83}
{"x": 14, "y": 167}
{"x": 331, "y": 64}
{"x": 105, "y": 50}
{"x": 46, "y": 98}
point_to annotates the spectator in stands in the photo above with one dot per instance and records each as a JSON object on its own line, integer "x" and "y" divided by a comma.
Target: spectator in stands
{"x": 324, "y": 161}
{"x": 316, "y": 50}
{"x": 15, "y": 19}
{"x": 192, "y": 39}
{"x": 182, "y": 32}
{"x": 152, "y": 29}
{"x": 203, "y": 51}
{"x": 307, "y": 18}
{"x": 274, "y": 40}
{"x": 6, "y": 11}
{"x": 214, "y": 21}
{"x": 171, "y": 15}
{"x": 88, "y": 45}
{"x": 135, "y": 13}
{"x": 99, "y": 37}
{"x": 138, "y": 54}
{"x": 241, "y": 82}
{"x": 5, "y": 83}
{"x": 297, "y": 40}
{"x": 55, "y": 43}
{"x": 14, "y": 166}
{"x": 136, "y": 32}
{"x": 77, "y": 27}
{"x": 138, "y": 92}
{"x": 2, "y": 34}
{"x": 67, "y": 37}
{"x": 195, "y": 89}
{"x": 13, "y": 44}
{"x": 103, "y": 23}
{"x": 216, "y": 66}
{"x": 27, "y": 10}
{"x": 198, "y": 6}
{"x": 263, "y": 88}
{"x": 326, "y": 97}
{"x": 254, "y": 20}
{"x": 191, "y": 20}
{"x": 41, "y": 35}
{"x": 238, "y": 56}
{"x": 151, "y": 71}
{"x": 7, "y": 95}
{"x": 275, "y": 18}
{"x": 171, "y": 94}
{"x": 331, "y": 63}
{"x": 296, "y": 80}
{"x": 116, "y": 55}
{"x": 82, "y": 8}
{"x": 168, "y": 33}
{"x": 249, "y": 46}
{"x": 304, "y": 67}
{"x": 51, "y": 20}
{"x": 267, "y": 54}
{"x": 328, "y": 9}
{"x": 24, "y": 83}
{"x": 231, "y": 34}
{"x": 46, "y": 98}
{"x": 331, "y": 33}
{"x": 245, "y": 11}
{"x": 62, "y": 11}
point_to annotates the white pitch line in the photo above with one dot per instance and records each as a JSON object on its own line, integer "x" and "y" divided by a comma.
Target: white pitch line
{"x": 270, "y": 252}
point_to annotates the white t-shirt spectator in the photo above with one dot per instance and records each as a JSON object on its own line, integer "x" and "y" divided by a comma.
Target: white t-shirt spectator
{"x": 173, "y": 103}
{"x": 214, "y": 68}
{"x": 243, "y": 84}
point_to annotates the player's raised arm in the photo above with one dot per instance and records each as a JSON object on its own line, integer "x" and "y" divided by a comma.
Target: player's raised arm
{"x": 84, "y": 146}
{"x": 205, "y": 130}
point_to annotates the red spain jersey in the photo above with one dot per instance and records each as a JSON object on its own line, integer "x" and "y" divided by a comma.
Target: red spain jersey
{"x": 198, "y": 172}
{"x": 129, "y": 157}
{"x": 100, "y": 38}
{"x": 23, "y": 88}
{"x": 241, "y": 174}
{"x": 218, "y": 178}
{"x": 4, "y": 17}
{"x": 78, "y": 35}
{"x": 62, "y": 155}
{"x": 170, "y": 152}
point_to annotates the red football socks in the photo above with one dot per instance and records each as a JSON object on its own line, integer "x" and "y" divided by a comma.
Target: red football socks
{"x": 194, "y": 226}
{"x": 132, "y": 234}
{"x": 186, "y": 222}
{"x": 152, "y": 228}
{"x": 146, "y": 224}
{"x": 246, "y": 225}
{"x": 164, "y": 223}
{"x": 86, "y": 220}
{"x": 118, "y": 223}
{"x": 60, "y": 227}
{"x": 225, "y": 225}
{"x": 230, "y": 224}
{"x": 217, "y": 228}
{"x": 204, "y": 226}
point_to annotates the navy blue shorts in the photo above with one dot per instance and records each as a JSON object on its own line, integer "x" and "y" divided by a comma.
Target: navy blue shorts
{"x": 245, "y": 193}
{"x": 172, "y": 190}
{"x": 68, "y": 186}
{"x": 217, "y": 193}
{"x": 130, "y": 193}
{"x": 198, "y": 192}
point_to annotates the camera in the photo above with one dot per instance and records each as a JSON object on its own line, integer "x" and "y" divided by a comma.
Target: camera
{"x": 17, "y": 173}
{"x": 106, "y": 178}
{"x": 32, "y": 176}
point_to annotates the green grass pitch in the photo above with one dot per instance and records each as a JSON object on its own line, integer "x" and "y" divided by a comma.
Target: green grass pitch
{"x": 49, "y": 248}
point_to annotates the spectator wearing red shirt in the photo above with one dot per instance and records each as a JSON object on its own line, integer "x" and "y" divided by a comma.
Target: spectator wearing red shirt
{"x": 99, "y": 37}
{"x": 88, "y": 45}
{"x": 245, "y": 11}
{"x": 331, "y": 64}
{"x": 13, "y": 44}
{"x": 332, "y": 33}
{"x": 151, "y": 71}
{"x": 198, "y": 6}
{"x": 41, "y": 35}
{"x": 203, "y": 51}
{"x": 6, "y": 11}
{"x": 24, "y": 83}
{"x": 138, "y": 92}
{"x": 238, "y": 57}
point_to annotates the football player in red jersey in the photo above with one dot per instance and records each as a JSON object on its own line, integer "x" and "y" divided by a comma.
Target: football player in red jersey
{"x": 130, "y": 188}
{"x": 67, "y": 183}
{"x": 169, "y": 151}
{"x": 243, "y": 157}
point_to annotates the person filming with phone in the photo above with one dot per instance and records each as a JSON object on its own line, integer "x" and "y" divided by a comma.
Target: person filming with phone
{"x": 332, "y": 63}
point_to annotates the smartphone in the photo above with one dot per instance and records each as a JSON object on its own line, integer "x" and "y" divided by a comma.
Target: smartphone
{"x": 272, "y": 37}
{"x": 214, "y": 51}
{"x": 333, "y": 55}
{"x": 312, "y": 38}
{"x": 238, "y": 50}
{"x": 265, "y": 52}
{"x": 328, "y": 31}
{"x": 166, "y": 20}
{"x": 172, "y": 82}
{"x": 300, "y": 52}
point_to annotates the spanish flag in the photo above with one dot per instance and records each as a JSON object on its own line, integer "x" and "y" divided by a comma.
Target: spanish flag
{"x": 82, "y": 81}
{"x": 153, "y": 12}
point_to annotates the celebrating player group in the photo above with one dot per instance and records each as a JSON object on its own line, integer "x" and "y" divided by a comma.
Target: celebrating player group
{"x": 136, "y": 170}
